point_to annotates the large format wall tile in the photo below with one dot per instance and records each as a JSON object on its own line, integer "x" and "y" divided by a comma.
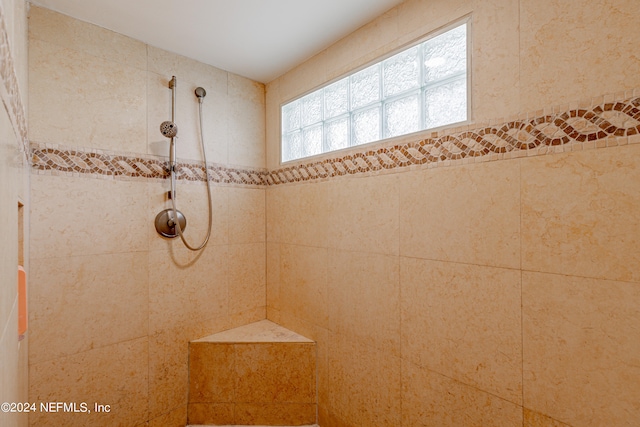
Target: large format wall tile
{"x": 81, "y": 100}
{"x": 495, "y": 71}
{"x": 75, "y": 217}
{"x": 364, "y": 383}
{"x": 464, "y": 322}
{"x": 580, "y": 213}
{"x": 169, "y": 364}
{"x": 275, "y": 373}
{"x": 64, "y": 31}
{"x": 364, "y": 298}
{"x": 168, "y": 371}
{"x": 175, "y": 418}
{"x": 298, "y": 214}
{"x": 303, "y": 283}
{"x": 9, "y": 245}
{"x": 363, "y": 213}
{"x": 85, "y": 302}
{"x": 581, "y": 349}
{"x": 247, "y": 224}
{"x": 556, "y": 68}
{"x": 246, "y": 122}
{"x": 116, "y": 375}
{"x": 466, "y": 214}
{"x": 273, "y": 276}
{"x": 430, "y": 399}
{"x": 247, "y": 277}
{"x": 536, "y": 419}
{"x": 212, "y": 367}
{"x": 182, "y": 291}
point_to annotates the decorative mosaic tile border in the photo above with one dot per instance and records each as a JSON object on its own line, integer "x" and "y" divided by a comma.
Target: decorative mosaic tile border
{"x": 579, "y": 128}
{"x": 606, "y": 124}
{"x": 51, "y": 158}
{"x": 9, "y": 90}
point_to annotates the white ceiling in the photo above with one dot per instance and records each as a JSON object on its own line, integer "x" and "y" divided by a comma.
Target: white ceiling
{"x": 258, "y": 39}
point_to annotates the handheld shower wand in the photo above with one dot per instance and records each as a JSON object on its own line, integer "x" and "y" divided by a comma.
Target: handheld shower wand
{"x": 171, "y": 222}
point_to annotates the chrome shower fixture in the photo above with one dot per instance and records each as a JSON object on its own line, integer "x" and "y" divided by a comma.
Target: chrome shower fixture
{"x": 166, "y": 224}
{"x": 169, "y": 129}
{"x": 171, "y": 222}
{"x": 200, "y": 93}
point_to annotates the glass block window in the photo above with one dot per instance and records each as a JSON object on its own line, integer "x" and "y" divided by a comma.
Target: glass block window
{"x": 422, "y": 87}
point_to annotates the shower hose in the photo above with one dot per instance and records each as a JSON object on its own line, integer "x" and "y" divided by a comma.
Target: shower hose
{"x": 173, "y": 191}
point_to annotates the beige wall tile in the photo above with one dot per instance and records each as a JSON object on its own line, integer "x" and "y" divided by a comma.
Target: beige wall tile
{"x": 580, "y": 211}
{"x": 327, "y": 418}
{"x": 430, "y": 399}
{"x": 415, "y": 18}
{"x": 85, "y": 302}
{"x": 363, "y": 213}
{"x": 273, "y": 276}
{"x": 275, "y": 373}
{"x": 248, "y": 316}
{"x": 247, "y": 125}
{"x": 247, "y": 277}
{"x": 464, "y": 322}
{"x": 169, "y": 370}
{"x": 495, "y": 59}
{"x": 211, "y": 413}
{"x": 273, "y": 129}
{"x": 184, "y": 289}
{"x": 247, "y": 221}
{"x": 581, "y": 339}
{"x": 76, "y": 217}
{"x": 467, "y": 214}
{"x": 303, "y": 286}
{"x": 212, "y": 373}
{"x": 298, "y": 214}
{"x": 295, "y": 414}
{"x": 360, "y": 375}
{"x": 9, "y": 188}
{"x": 15, "y": 14}
{"x": 115, "y": 375}
{"x": 175, "y": 418}
{"x": 64, "y": 31}
{"x": 364, "y": 298}
{"x": 168, "y": 377}
{"x": 535, "y": 419}
{"x": 556, "y": 68}
{"x": 81, "y": 100}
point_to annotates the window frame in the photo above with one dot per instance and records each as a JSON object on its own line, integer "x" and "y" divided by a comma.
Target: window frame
{"x": 382, "y": 102}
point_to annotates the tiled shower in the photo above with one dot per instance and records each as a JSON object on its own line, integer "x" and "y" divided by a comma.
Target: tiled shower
{"x": 486, "y": 275}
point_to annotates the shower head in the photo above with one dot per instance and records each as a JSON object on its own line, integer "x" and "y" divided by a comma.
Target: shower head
{"x": 200, "y": 93}
{"x": 169, "y": 129}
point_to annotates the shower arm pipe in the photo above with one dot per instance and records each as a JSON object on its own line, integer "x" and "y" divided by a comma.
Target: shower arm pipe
{"x": 172, "y": 145}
